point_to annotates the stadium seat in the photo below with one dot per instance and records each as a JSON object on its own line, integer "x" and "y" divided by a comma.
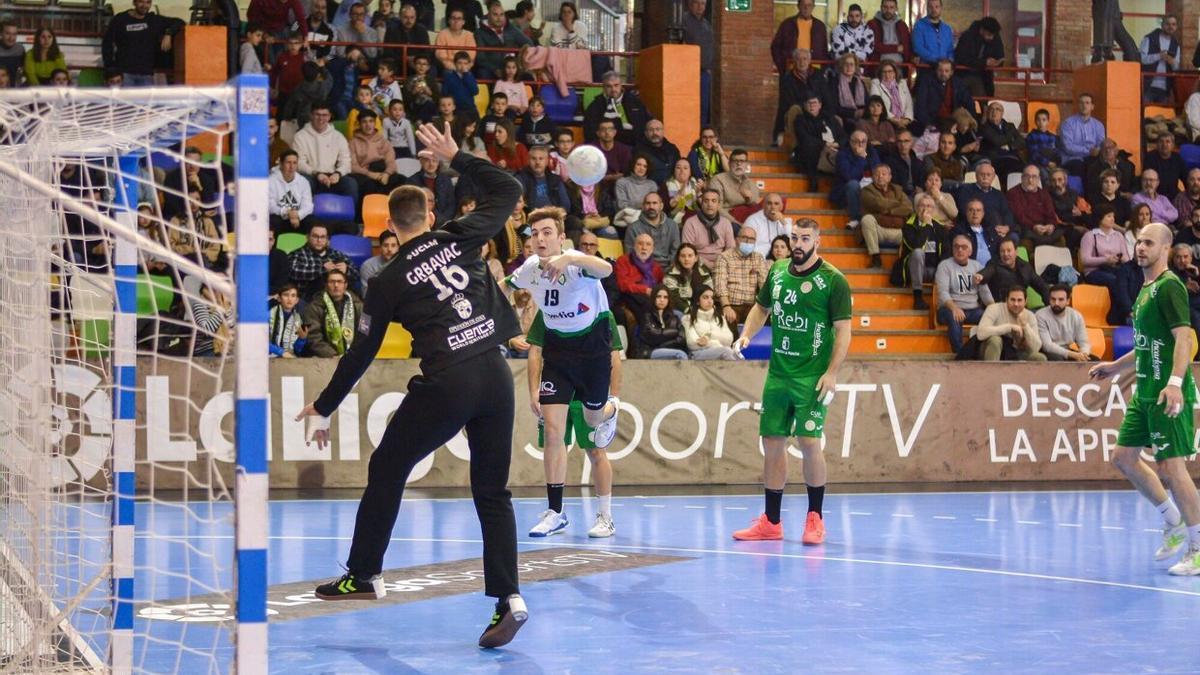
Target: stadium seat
{"x": 1098, "y": 342}
{"x": 375, "y": 215}
{"x": 95, "y": 337}
{"x": 290, "y": 241}
{"x": 230, "y": 204}
{"x": 329, "y": 206}
{"x": 1012, "y": 111}
{"x": 154, "y": 294}
{"x": 589, "y": 94}
{"x": 1033, "y": 299}
{"x": 1014, "y": 179}
{"x": 1093, "y": 302}
{"x": 558, "y": 108}
{"x": 759, "y": 348}
{"x": 91, "y": 296}
{"x": 90, "y": 77}
{"x": 340, "y": 126}
{"x": 1122, "y": 341}
{"x": 482, "y": 101}
{"x": 1191, "y": 155}
{"x": 1052, "y": 109}
{"x": 357, "y": 248}
{"x": 1075, "y": 183}
{"x": 397, "y": 343}
{"x": 1047, "y": 255}
{"x": 1023, "y": 253}
{"x": 611, "y": 248}
{"x": 163, "y": 161}
{"x": 1165, "y": 112}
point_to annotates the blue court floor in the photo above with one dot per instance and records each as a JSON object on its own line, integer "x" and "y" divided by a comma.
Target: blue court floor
{"x": 1053, "y": 582}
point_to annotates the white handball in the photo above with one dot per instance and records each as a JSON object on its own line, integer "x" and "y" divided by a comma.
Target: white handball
{"x": 586, "y": 165}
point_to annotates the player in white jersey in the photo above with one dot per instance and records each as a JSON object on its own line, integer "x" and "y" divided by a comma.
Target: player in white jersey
{"x": 576, "y": 361}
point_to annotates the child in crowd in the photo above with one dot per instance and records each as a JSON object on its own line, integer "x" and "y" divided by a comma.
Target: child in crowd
{"x": 399, "y": 131}
{"x": 364, "y": 100}
{"x": 512, "y": 87}
{"x": 384, "y": 87}
{"x": 1041, "y": 143}
{"x": 248, "y": 61}
{"x": 445, "y": 114}
{"x": 497, "y": 111}
{"x": 287, "y": 330}
{"x": 421, "y": 90}
{"x": 536, "y": 127}
{"x": 564, "y": 143}
{"x": 345, "y": 82}
{"x": 314, "y": 89}
{"x": 381, "y": 17}
{"x": 288, "y": 71}
{"x": 460, "y": 85}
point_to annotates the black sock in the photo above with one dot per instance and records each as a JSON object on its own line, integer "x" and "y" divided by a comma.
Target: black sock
{"x": 774, "y": 503}
{"x": 816, "y": 497}
{"x": 554, "y": 496}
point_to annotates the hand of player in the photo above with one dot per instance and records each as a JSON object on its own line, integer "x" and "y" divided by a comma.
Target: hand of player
{"x": 438, "y": 144}
{"x": 740, "y": 344}
{"x": 316, "y": 426}
{"x": 1171, "y": 399}
{"x": 826, "y": 386}
{"x": 535, "y": 406}
{"x": 556, "y": 265}
{"x": 1102, "y": 371}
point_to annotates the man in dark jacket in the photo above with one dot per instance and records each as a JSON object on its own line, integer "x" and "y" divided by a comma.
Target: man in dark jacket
{"x": 662, "y": 153}
{"x": 542, "y": 187}
{"x": 134, "y": 40}
{"x": 1112, "y": 157}
{"x": 980, "y": 48}
{"x": 496, "y": 32}
{"x": 908, "y": 170}
{"x": 1006, "y": 270}
{"x": 623, "y": 107}
{"x": 430, "y": 176}
{"x": 794, "y": 88}
{"x": 407, "y": 31}
{"x": 818, "y": 133}
{"x": 1169, "y": 165}
{"x": 938, "y": 94}
{"x": 786, "y": 36}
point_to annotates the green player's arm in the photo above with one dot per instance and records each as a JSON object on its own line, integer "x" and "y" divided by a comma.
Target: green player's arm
{"x": 1182, "y": 357}
{"x": 755, "y": 320}
{"x": 841, "y": 345}
{"x": 595, "y": 266}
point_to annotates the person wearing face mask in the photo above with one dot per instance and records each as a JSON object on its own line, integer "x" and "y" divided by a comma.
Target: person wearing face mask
{"x": 1061, "y": 327}
{"x": 740, "y": 273}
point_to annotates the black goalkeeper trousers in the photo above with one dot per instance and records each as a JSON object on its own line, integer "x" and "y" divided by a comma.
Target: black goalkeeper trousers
{"x": 476, "y": 394}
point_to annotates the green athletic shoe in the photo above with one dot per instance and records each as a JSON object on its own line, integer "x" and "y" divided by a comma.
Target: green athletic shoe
{"x": 1174, "y": 537}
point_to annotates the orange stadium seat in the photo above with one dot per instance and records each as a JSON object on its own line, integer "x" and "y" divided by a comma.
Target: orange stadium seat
{"x": 1093, "y": 303}
{"x": 1051, "y": 109}
{"x": 1099, "y": 342}
{"x": 375, "y": 215}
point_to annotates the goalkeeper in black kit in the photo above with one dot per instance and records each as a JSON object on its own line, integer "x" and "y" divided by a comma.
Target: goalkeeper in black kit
{"x": 439, "y": 287}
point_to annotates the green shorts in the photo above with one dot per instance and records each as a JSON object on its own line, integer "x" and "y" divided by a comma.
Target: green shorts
{"x": 577, "y": 428}
{"x": 790, "y": 408}
{"x": 1146, "y": 425}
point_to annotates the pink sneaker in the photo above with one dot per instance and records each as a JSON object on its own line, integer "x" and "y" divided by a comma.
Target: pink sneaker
{"x": 761, "y": 529}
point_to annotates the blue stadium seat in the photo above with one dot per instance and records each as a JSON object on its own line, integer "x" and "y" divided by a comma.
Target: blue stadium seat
{"x": 1075, "y": 183}
{"x": 1122, "y": 341}
{"x": 329, "y": 206}
{"x": 1191, "y": 155}
{"x": 759, "y": 348}
{"x": 357, "y": 248}
{"x": 161, "y": 160}
{"x": 558, "y": 108}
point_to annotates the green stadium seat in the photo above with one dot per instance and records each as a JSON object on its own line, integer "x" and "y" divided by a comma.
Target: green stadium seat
{"x": 90, "y": 77}
{"x": 290, "y": 241}
{"x": 155, "y": 294}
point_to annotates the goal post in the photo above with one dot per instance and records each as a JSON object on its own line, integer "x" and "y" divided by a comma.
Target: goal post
{"x": 125, "y": 258}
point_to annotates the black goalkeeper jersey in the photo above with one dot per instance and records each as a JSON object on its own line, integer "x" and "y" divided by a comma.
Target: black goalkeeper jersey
{"x": 439, "y": 287}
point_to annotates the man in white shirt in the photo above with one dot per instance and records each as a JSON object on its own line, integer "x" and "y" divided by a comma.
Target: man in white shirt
{"x": 769, "y": 223}
{"x": 1061, "y": 329}
{"x": 324, "y": 155}
{"x": 289, "y": 196}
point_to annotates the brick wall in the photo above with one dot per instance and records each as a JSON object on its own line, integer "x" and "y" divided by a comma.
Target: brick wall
{"x": 745, "y": 86}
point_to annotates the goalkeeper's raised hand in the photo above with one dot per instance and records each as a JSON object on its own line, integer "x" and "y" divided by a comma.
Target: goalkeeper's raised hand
{"x": 438, "y": 144}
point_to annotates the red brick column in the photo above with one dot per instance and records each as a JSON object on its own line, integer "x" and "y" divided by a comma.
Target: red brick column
{"x": 745, "y": 86}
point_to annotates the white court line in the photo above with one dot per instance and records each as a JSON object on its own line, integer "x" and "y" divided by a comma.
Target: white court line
{"x": 1029, "y": 522}
{"x": 654, "y": 506}
{"x": 737, "y": 508}
{"x": 945, "y": 518}
{"x": 902, "y": 515}
{"x": 693, "y": 506}
{"x": 1151, "y": 529}
{"x": 1068, "y": 524}
{"x": 859, "y": 513}
{"x": 1111, "y": 527}
{"x": 987, "y": 520}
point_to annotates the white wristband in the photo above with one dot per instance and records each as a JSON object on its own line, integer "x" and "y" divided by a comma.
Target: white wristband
{"x": 1175, "y": 381}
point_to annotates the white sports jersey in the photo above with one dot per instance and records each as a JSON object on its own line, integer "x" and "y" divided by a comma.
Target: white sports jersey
{"x": 571, "y": 304}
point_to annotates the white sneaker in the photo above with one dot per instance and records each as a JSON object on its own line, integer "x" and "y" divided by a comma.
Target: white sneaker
{"x": 603, "y": 528}
{"x": 549, "y": 523}
{"x": 853, "y": 225}
{"x": 606, "y": 431}
{"x": 1173, "y": 540}
{"x": 1189, "y": 566}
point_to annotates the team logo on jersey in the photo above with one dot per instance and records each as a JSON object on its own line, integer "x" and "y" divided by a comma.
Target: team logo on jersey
{"x": 364, "y": 324}
{"x": 806, "y": 287}
{"x": 583, "y": 308}
{"x": 462, "y": 306}
{"x": 810, "y": 425}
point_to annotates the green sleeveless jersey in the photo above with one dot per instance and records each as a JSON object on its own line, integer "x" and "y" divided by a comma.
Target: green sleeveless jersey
{"x": 803, "y": 309}
{"x": 1160, "y": 307}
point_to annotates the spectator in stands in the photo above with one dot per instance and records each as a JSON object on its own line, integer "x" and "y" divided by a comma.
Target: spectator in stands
{"x": 698, "y": 31}
{"x": 12, "y": 54}
{"x": 637, "y": 273}
{"x": 945, "y": 210}
{"x": 325, "y": 156}
{"x": 938, "y": 94}
{"x": 1188, "y": 199}
{"x": 319, "y": 30}
{"x": 623, "y": 108}
{"x": 463, "y": 130}
{"x": 853, "y": 36}
{"x": 385, "y": 88}
{"x": 848, "y": 91}
{"x": 1192, "y": 107}
{"x": 885, "y": 208}
{"x": 1161, "y": 207}
{"x": 687, "y": 275}
{"x": 276, "y": 16}
{"x": 1110, "y": 158}
{"x": 471, "y": 11}
{"x": 385, "y": 13}
{"x": 398, "y": 131}
{"x": 432, "y": 177}
{"x": 312, "y": 261}
{"x": 133, "y": 41}
{"x": 496, "y": 32}
{"x": 1006, "y": 270}
{"x": 661, "y": 153}
{"x": 190, "y": 176}
{"x": 289, "y": 196}
{"x": 893, "y": 91}
{"x": 195, "y": 235}
{"x": 920, "y": 250}
{"x": 854, "y": 161}
{"x": 996, "y": 209}
{"x": 966, "y": 136}
{"x": 781, "y": 248}
{"x": 536, "y": 127}
{"x": 1102, "y": 252}
{"x": 422, "y": 89}
{"x": 497, "y": 110}
{"x": 1001, "y": 142}
{"x": 1183, "y": 265}
{"x": 739, "y": 274}
{"x": 947, "y": 162}
{"x": 1033, "y": 212}
{"x": 618, "y": 155}
{"x": 564, "y": 143}
{"x": 521, "y": 18}
{"x": 1011, "y": 328}
{"x": 1061, "y": 329}
{"x": 662, "y": 230}
{"x": 1081, "y": 136}
{"x": 1161, "y": 53}
{"x": 709, "y": 231}
{"x": 1168, "y": 164}
{"x": 1140, "y": 216}
{"x": 1189, "y": 231}
{"x": 312, "y": 90}
{"x": 980, "y": 49}
{"x": 707, "y": 157}
{"x": 43, "y": 58}
{"x": 892, "y": 37}
{"x": 288, "y": 71}
{"x": 358, "y": 32}
{"x": 389, "y": 246}
{"x": 287, "y": 330}
{"x": 543, "y": 188}
{"x": 332, "y": 315}
{"x": 372, "y": 159}
{"x": 212, "y": 314}
{"x": 874, "y": 122}
{"x": 982, "y": 236}
{"x": 819, "y": 138}
{"x": 455, "y": 38}
{"x": 1042, "y": 144}
{"x": 681, "y": 192}
{"x": 1070, "y": 207}
{"x": 661, "y": 332}
{"x": 709, "y": 335}
{"x": 802, "y": 31}
{"x": 932, "y": 38}
{"x": 60, "y": 78}
{"x": 406, "y": 30}
{"x": 908, "y": 171}
{"x": 248, "y": 61}
{"x": 800, "y": 82}
{"x": 275, "y": 145}
{"x": 569, "y": 32}
{"x": 961, "y": 299}
{"x": 768, "y": 224}
{"x": 512, "y": 88}
{"x": 740, "y": 196}
{"x": 631, "y": 188}
{"x": 505, "y": 150}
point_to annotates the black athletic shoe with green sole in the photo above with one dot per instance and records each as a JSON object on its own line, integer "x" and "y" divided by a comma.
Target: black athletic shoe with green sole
{"x": 508, "y": 618}
{"x": 350, "y": 587}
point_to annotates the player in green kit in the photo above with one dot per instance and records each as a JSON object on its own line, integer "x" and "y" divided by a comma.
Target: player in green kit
{"x": 808, "y": 303}
{"x": 1160, "y": 414}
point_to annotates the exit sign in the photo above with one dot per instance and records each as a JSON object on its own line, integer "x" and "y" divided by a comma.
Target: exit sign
{"x": 737, "y": 5}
